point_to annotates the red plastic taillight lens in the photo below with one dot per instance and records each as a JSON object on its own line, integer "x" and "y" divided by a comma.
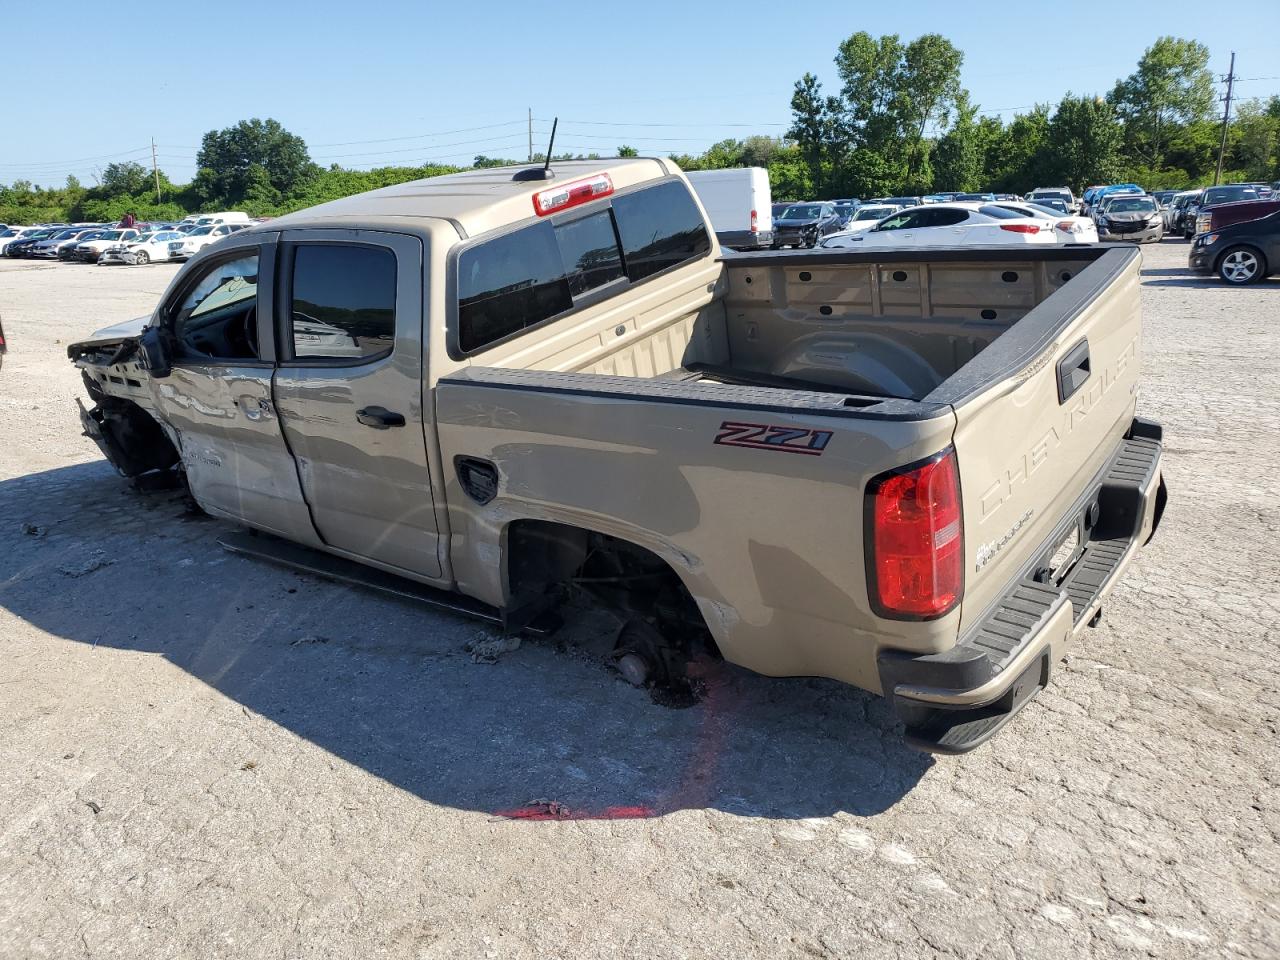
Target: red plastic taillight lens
{"x": 1069, "y": 226}
{"x": 1021, "y": 227}
{"x": 916, "y": 563}
{"x": 572, "y": 194}
{"x": 755, "y": 221}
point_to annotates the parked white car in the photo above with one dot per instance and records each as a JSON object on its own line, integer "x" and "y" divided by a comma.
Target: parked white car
{"x": 868, "y": 215}
{"x": 1066, "y": 229}
{"x": 188, "y": 246}
{"x": 948, "y": 225}
{"x": 90, "y": 250}
{"x": 148, "y": 247}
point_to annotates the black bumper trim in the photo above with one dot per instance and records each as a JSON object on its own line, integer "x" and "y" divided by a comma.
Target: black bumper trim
{"x": 1108, "y": 516}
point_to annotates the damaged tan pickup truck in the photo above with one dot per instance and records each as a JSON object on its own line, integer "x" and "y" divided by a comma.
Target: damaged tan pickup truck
{"x": 917, "y": 472}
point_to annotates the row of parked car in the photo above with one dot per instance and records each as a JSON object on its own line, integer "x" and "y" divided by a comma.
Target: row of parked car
{"x": 114, "y": 243}
{"x": 938, "y": 219}
{"x": 1234, "y": 226}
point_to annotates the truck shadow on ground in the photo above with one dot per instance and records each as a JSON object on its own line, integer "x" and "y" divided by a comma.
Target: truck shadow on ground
{"x": 386, "y": 685}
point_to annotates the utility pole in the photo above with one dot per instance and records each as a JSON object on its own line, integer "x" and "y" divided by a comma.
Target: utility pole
{"x": 155, "y": 169}
{"x": 531, "y": 134}
{"x": 1226, "y": 117}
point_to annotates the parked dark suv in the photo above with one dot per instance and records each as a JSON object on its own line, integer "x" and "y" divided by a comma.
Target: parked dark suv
{"x": 1240, "y": 254}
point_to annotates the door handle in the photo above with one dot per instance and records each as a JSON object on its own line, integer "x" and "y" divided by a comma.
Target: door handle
{"x": 380, "y": 418}
{"x": 1073, "y": 371}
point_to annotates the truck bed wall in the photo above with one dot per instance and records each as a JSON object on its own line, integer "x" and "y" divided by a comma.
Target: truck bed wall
{"x": 889, "y": 326}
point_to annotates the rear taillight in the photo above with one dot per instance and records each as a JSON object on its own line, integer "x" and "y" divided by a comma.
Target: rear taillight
{"x": 755, "y": 228}
{"x": 915, "y": 562}
{"x": 1068, "y": 226}
{"x": 1020, "y": 227}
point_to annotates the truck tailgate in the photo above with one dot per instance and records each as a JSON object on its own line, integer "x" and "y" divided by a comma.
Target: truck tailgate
{"x": 1038, "y": 414}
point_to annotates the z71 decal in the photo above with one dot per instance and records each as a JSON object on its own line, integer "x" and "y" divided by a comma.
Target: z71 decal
{"x": 761, "y": 436}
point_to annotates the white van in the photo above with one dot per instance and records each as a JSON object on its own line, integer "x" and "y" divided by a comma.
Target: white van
{"x": 739, "y": 203}
{"x": 213, "y": 219}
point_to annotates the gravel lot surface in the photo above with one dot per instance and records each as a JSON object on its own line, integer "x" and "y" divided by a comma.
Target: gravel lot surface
{"x": 205, "y": 756}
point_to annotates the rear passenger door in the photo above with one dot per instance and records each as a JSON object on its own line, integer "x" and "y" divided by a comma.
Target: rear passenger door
{"x": 349, "y": 391}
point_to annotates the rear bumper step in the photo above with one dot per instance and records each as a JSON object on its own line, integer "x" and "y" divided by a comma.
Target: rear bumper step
{"x": 954, "y": 701}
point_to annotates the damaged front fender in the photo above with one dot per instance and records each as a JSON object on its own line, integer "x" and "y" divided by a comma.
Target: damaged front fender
{"x": 129, "y": 437}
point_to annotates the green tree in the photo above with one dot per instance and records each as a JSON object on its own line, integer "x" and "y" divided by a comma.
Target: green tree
{"x": 1083, "y": 145}
{"x": 757, "y": 151}
{"x": 959, "y": 156}
{"x": 789, "y": 175}
{"x": 128, "y": 177}
{"x": 229, "y": 157}
{"x": 625, "y": 151}
{"x": 1257, "y": 147}
{"x": 929, "y": 89}
{"x": 870, "y": 70}
{"x": 1016, "y": 157}
{"x": 1171, "y": 87}
{"x": 813, "y": 126}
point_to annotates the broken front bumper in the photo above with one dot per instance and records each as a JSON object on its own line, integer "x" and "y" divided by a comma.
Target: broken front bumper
{"x": 951, "y": 702}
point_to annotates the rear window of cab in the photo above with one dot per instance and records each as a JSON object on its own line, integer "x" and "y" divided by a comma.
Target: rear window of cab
{"x": 536, "y": 273}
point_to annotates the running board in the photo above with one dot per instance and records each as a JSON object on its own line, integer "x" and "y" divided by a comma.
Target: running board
{"x": 297, "y": 557}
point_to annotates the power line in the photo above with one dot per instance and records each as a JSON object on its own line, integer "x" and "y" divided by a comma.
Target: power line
{"x": 421, "y": 136}
{"x": 34, "y": 164}
{"x": 620, "y": 123}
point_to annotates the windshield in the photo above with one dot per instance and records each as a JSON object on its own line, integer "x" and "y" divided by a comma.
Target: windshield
{"x": 1050, "y": 195}
{"x": 1132, "y": 205}
{"x": 113, "y": 235}
{"x": 201, "y": 232}
{"x": 802, "y": 211}
{"x": 1043, "y": 207}
{"x": 873, "y": 213}
{"x": 1228, "y": 195}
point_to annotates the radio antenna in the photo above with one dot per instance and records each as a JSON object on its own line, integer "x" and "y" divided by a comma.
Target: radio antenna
{"x": 544, "y": 172}
{"x": 546, "y": 168}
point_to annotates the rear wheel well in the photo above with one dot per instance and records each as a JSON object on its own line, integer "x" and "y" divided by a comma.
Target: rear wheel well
{"x": 548, "y": 564}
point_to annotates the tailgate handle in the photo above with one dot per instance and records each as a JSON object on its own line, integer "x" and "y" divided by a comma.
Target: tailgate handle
{"x": 1073, "y": 371}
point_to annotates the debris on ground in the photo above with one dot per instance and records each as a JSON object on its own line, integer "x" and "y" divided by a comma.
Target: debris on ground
{"x": 543, "y": 809}
{"x": 312, "y": 638}
{"x": 85, "y": 563}
{"x": 486, "y": 648}
{"x": 93, "y": 806}
{"x": 31, "y": 530}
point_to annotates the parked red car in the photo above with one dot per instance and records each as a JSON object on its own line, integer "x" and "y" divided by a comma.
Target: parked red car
{"x": 1224, "y": 214}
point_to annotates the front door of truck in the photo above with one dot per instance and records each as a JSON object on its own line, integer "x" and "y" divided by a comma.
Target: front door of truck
{"x": 217, "y": 395}
{"x": 349, "y": 391}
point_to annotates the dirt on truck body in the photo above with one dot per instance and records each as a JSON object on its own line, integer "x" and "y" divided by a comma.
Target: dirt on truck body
{"x": 918, "y": 472}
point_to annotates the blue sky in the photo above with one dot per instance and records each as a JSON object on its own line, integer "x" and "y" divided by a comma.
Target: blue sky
{"x": 381, "y": 83}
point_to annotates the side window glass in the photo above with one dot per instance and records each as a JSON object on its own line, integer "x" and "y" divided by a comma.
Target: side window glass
{"x": 509, "y": 283}
{"x": 900, "y": 222}
{"x": 589, "y": 252}
{"x": 218, "y": 316}
{"x": 342, "y": 302}
{"x": 948, "y": 218}
{"x": 660, "y": 227}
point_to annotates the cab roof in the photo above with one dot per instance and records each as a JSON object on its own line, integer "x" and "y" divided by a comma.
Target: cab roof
{"x": 475, "y": 200}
